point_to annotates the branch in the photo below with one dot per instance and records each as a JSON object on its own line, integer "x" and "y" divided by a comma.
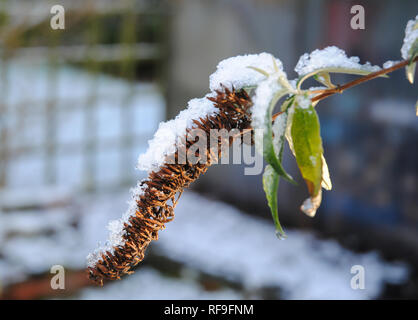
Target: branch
{"x": 340, "y": 89}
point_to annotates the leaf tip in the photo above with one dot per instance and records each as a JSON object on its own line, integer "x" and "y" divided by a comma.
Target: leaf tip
{"x": 416, "y": 108}
{"x": 410, "y": 72}
{"x": 280, "y": 234}
{"x": 308, "y": 208}
{"x": 311, "y": 205}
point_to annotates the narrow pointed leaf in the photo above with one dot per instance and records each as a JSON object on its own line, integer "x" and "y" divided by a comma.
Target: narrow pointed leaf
{"x": 413, "y": 53}
{"x": 269, "y": 152}
{"x": 270, "y": 185}
{"x": 410, "y": 72}
{"x": 326, "y": 180}
{"x": 410, "y": 69}
{"x": 325, "y": 79}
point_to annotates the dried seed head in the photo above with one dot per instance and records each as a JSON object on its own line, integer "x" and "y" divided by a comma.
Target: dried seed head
{"x": 162, "y": 189}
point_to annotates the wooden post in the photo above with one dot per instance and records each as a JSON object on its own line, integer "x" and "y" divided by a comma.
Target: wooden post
{"x": 127, "y": 70}
{"x": 4, "y": 152}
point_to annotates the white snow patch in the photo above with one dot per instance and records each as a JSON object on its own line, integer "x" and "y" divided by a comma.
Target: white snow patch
{"x": 264, "y": 94}
{"x": 234, "y": 71}
{"x": 389, "y": 64}
{"x": 279, "y": 128}
{"x": 164, "y": 141}
{"x": 411, "y": 35}
{"x": 313, "y": 160}
{"x": 307, "y": 205}
{"x": 116, "y": 229}
{"x": 293, "y": 83}
{"x": 303, "y": 101}
{"x": 330, "y": 57}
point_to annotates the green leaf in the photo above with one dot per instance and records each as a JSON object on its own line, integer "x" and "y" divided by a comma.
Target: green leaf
{"x": 325, "y": 79}
{"x": 270, "y": 185}
{"x": 271, "y": 177}
{"x": 410, "y": 72}
{"x": 416, "y": 108}
{"x": 410, "y": 68}
{"x": 307, "y": 145}
{"x": 269, "y": 152}
{"x": 413, "y": 53}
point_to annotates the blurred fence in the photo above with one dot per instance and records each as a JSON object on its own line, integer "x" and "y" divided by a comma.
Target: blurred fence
{"x": 77, "y": 105}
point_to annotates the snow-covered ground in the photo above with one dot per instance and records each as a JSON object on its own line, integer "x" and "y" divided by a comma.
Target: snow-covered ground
{"x": 208, "y": 236}
{"x": 148, "y": 284}
{"x": 219, "y": 239}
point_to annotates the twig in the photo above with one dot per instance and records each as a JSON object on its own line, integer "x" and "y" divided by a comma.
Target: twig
{"x": 339, "y": 89}
{"x": 356, "y": 82}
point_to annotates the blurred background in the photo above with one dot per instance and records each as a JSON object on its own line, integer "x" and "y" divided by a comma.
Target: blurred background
{"x": 77, "y": 107}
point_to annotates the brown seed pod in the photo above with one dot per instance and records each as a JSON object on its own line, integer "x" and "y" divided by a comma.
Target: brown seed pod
{"x": 162, "y": 189}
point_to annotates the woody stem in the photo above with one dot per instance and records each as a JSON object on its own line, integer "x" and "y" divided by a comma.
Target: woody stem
{"x": 339, "y": 89}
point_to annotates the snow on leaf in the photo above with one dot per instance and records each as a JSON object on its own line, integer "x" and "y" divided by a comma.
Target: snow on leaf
{"x": 330, "y": 60}
{"x": 279, "y": 128}
{"x": 409, "y": 48}
{"x": 302, "y": 101}
{"x": 311, "y": 205}
{"x": 266, "y": 96}
{"x": 410, "y": 42}
{"x": 333, "y": 58}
